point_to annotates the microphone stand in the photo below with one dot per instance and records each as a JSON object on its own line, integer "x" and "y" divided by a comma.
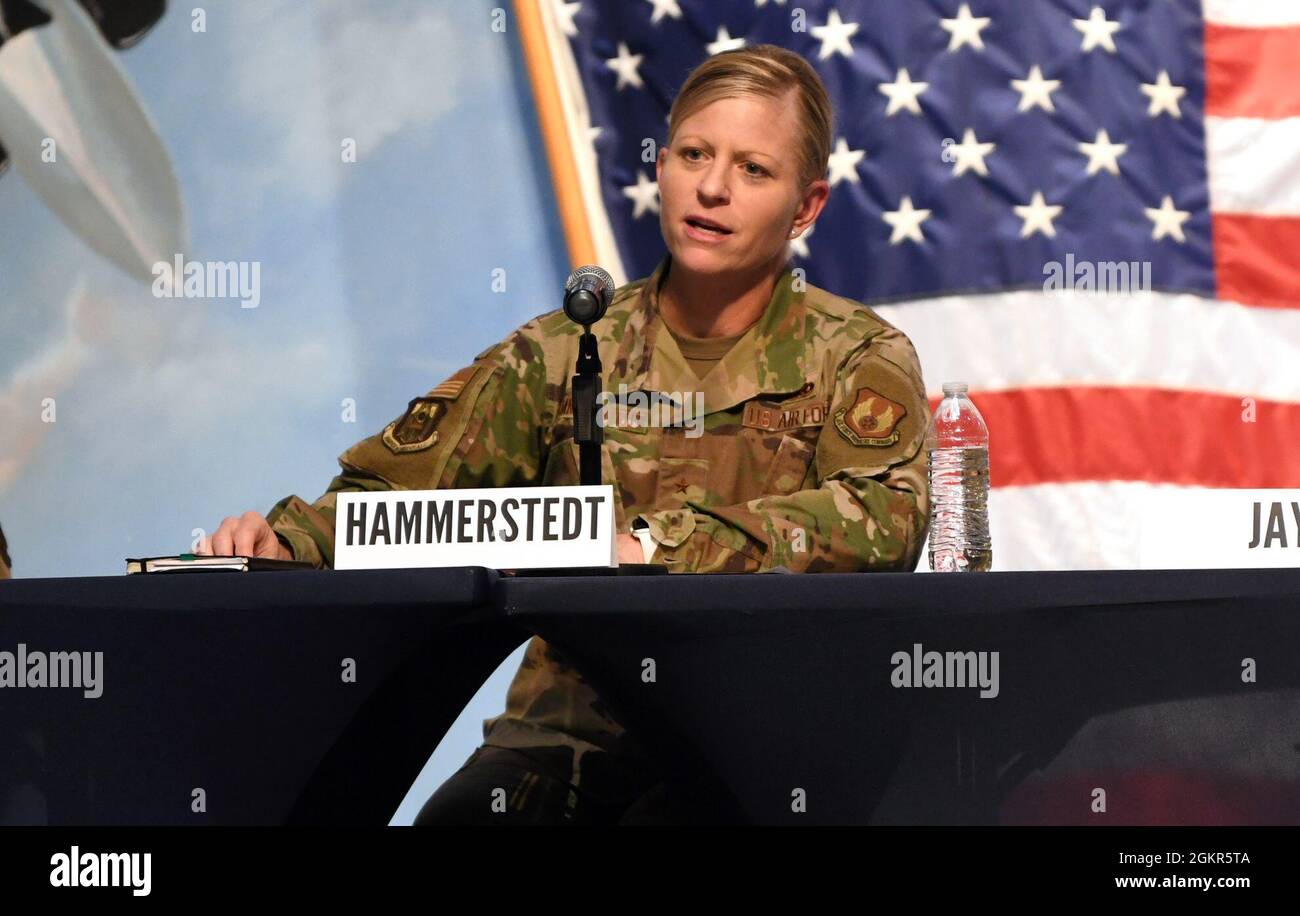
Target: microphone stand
{"x": 587, "y": 295}
{"x": 586, "y": 391}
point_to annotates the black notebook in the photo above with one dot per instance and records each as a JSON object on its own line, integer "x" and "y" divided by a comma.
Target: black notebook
{"x": 188, "y": 562}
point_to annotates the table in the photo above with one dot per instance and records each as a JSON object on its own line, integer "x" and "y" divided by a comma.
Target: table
{"x": 233, "y": 683}
{"x": 1125, "y": 681}
{"x": 773, "y": 698}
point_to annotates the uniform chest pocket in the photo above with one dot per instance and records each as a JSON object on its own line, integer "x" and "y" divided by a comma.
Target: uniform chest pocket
{"x": 563, "y": 465}
{"x": 790, "y": 466}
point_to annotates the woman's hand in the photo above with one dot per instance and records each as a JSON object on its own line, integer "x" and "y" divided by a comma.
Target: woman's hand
{"x": 629, "y": 549}
{"x": 246, "y": 536}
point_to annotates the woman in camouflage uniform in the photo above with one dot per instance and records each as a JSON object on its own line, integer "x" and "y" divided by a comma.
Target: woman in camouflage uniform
{"x": 809, "y": 453}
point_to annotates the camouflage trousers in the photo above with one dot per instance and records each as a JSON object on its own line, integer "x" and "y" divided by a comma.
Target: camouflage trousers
{"x": 521, "y": 786}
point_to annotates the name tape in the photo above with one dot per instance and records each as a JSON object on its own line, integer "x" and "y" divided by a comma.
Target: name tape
{"x": 500, "y": 528}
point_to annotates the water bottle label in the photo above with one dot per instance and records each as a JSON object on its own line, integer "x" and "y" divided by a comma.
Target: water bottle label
{"x": 872, "y": 419}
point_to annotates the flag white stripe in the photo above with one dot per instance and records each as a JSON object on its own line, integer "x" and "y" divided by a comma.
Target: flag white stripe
{"x": 1252, "y": 13}
{"x": 1253, "y": 165}
{"x": 1029, "y": 338}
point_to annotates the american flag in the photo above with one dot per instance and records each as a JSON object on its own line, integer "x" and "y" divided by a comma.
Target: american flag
{"x": 977, "y": 143}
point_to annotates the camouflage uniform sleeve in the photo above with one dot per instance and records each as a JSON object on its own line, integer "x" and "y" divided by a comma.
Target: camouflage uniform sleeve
{"x": 479, "y": 428}
{"x": 870, "y": 510}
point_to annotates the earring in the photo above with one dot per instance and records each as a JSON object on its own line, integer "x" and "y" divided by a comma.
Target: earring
{"x": 793, "y": 233}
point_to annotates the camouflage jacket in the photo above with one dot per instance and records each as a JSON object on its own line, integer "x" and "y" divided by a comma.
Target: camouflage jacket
{"x": 809, "y": 455}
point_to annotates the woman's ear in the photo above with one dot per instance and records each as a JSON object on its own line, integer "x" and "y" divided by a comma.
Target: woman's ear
{"x": 659, "y": 162}
{"x": 814, "y": 198}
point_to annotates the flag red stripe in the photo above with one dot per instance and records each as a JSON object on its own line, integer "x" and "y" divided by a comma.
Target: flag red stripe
{"x": 1255, "y": 259}
{"x": 1250, "y": 73}
{"x": 1188, "y": 438}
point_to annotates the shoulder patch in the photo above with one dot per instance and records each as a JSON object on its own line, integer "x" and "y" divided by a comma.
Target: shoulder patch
{"x": 880, "y": 416}
{"x": 871, "y": 419}
{"x": 417, "y": 429}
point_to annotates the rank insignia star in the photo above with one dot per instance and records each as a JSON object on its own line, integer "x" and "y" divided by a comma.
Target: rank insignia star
{"x": 872, "y": 419}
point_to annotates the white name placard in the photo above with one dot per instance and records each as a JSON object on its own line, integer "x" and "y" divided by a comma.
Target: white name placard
{"x": 500, "y": 528}
{"x": 1225, "y": 529}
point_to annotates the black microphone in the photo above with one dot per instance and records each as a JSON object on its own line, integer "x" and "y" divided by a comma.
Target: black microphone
{"x": 587, "y": 294}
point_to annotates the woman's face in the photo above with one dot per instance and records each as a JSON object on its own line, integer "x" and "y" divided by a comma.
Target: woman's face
{"x": 734, "y": 165}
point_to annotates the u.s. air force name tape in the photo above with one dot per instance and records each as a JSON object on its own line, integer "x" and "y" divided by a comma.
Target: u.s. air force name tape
{"x": 500, "y": 528}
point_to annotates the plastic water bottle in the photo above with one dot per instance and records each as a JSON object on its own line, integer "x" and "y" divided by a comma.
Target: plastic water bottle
{"x": 958, "y": 442}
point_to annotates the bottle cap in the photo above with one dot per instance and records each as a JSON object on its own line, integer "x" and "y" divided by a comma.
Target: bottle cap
{"x": 952, "y": 389}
